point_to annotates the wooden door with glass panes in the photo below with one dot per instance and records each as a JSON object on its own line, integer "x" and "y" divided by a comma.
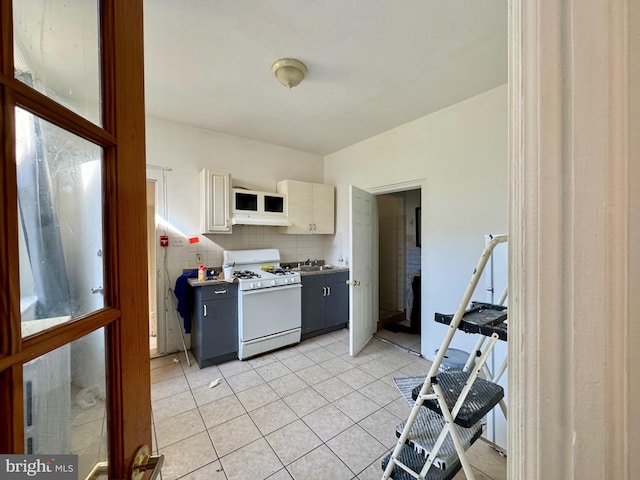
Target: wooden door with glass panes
{"x": 74, "y": 362}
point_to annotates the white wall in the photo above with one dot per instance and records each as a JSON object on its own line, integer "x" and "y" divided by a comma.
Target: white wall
{"x": 186, "y": 150}
{"x": 461, "y": 153}
{"x": 252, "y": 164}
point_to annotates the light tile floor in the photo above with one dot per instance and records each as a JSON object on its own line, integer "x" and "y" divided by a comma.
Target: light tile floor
{"x": 410, "y": 341}
{"x": 305, "y": 412}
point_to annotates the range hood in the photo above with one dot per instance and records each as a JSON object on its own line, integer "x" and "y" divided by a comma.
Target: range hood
{"x": 261, "y": 219}
{"x": 253, "y": 207}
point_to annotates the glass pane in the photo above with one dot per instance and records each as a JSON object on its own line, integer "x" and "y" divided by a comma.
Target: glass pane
{"x": 56, "y": 51}
{"x": 60, "y": 231}
{"x": 64, "y": 402}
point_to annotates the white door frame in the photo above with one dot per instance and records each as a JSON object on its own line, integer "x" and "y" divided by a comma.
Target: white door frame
{"x": 574, "y": 234}
{"x": 164, "y": 304}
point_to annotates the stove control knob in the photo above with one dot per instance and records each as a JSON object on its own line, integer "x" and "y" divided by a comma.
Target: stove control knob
{"x": 273, "y": 282}
{"x": 258, "y": 284}
{"x": 286, "y": 280}
{"x": 250, "y": 285}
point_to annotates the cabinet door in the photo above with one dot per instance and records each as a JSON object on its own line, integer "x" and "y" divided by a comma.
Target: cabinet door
{"x": 337, "y": 302}
{"x": 215, "y": 201}
{"x": 219, "y": 328}
{"x": 313, "y": 307}
{"x": 299, "y": 205}
{"x": 216, "y": 324}
{"x": 323, "y": 208}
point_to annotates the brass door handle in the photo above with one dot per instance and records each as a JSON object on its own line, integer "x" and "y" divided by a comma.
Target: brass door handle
{"x": 355, "y": 283}
{"x": 100, "y": 469}
{"x": 143, "y": 462}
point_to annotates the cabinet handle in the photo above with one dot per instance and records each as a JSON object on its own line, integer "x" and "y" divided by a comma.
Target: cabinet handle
{"x": 324, "y": 291}
{"x": 204, "y": 308}
{"x": 310, "y": 227}
{"x": 220, "y": 292}
{"x": 314, "y": 226}
{"x": 328, "y": 290}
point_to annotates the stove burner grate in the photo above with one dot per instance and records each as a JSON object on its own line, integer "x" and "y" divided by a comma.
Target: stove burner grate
{"x": 245, "y": 274}
{"x": 282, "y": 271}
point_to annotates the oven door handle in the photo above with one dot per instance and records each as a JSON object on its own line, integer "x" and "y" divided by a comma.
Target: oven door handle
{"x": 267, "y": 289}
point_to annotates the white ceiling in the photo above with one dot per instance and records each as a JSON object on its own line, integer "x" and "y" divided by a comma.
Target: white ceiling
{"x": 373, "y": 64}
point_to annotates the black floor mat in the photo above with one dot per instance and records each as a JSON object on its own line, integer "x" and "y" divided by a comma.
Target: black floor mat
{"x": 396, "y": 327}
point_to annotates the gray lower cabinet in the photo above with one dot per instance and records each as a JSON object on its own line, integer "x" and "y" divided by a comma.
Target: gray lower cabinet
{"x": 214, "y": 330}
{"x": 325, "y": 303}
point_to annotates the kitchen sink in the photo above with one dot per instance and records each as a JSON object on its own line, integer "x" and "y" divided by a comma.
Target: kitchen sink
{"x": 309, "y": 268}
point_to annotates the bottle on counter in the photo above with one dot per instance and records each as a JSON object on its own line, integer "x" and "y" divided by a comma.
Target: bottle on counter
{"x": 202, "y": 273}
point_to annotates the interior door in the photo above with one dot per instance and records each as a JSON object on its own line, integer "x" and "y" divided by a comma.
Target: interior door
{"x": 361, "y": 235}
{"x": 74, "y": 361}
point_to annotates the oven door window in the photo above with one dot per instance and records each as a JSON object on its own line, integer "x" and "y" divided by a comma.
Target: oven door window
{"x": 246, "y": 202}
{"x": 273, "y": 204}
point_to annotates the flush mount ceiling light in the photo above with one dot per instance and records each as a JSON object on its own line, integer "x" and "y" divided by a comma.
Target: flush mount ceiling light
{"x": 289, "y": 71}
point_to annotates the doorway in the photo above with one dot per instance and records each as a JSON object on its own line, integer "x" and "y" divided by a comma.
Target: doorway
{"x": 399, "y": 272}
{"x": 152, "y": 274}
{"x": 156, "y": 226}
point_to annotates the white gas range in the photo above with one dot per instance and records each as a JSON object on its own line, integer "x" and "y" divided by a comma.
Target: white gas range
{"x": 269, "y": 301}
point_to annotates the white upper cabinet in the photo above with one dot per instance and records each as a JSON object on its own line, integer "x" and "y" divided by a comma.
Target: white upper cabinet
{"x": 323, "y": 214}
{"x": 310, "y": 207}
{"x": 215, "y": 195}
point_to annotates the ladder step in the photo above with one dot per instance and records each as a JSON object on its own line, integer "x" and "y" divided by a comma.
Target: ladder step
{"x": 425, "y": 432}
{"x": 428, "y": 425}
{"x": 415, "y": 462}
{"x": 483, "y": 396}
{"x": 483, "y": 318}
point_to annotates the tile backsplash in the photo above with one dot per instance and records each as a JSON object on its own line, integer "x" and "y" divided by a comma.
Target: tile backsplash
{"x": 293, "y": 248}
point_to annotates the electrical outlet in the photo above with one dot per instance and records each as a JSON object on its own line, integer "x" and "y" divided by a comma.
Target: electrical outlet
{"x": 199, "y": 258}
{"x": 177, "y": 241}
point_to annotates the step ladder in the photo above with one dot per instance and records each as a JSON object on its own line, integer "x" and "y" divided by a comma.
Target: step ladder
{"x": 448, "y": 406}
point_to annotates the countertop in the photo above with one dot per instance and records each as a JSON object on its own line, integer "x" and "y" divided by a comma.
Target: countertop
{"x": 210, "y": 281}
{"x": 325, "y": 271}
{"x": 214, "y": 281}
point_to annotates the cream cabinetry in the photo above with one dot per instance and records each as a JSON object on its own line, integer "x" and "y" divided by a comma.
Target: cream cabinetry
{"x": 215, "y": 196}
{"x": 310, "y": 207}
